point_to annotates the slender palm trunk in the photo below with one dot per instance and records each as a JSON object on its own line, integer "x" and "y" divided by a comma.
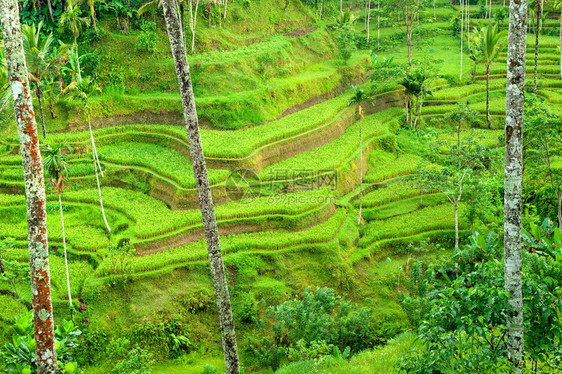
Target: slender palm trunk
{"x": 368, "y": 19}
{"x": 379, "y": 25}
{"x": 232, "y": 365}
{"x": 513, "y": 179}
{"x": 488, "y": 96}
{"x": 462, "y": 35}
{"x": 559, "y": 198}
{"x": 434, "y": 16}
{"x": 41, "y": 301}
{"x": 50, "y": 5}
{"x": 77, "y": 60}
{"x": 360, "y": 168}
{"x": 225, "y": 4}
{"x": 96, "y": 166}
{"x": 456, "y": 205}
{"x": 537, "y": 29}
{"x": 65, "y": 256}
{"x": 94, "y": 19}
{"x": 39, "y": 94}
{"x": 341, "y": 6}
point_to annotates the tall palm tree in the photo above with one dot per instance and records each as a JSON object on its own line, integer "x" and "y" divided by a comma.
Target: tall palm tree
{"x": 57, "y": 166}
{"x": 42, "y": 59}
{"x": 41, "y": 301}
{"x": 492, "y": 42}
{"x": 82, "y": 90}
{"x": 513, "y": 180}
{"x": 358, "y": 98}
{"x": 177, "y": 43}
{"x": 72, "y": 21}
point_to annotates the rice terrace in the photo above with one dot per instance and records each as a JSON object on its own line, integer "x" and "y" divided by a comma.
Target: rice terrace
{"x": 290, "y": 186}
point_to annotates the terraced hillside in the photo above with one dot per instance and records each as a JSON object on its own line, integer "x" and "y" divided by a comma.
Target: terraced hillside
{"x": 294, "y": 224}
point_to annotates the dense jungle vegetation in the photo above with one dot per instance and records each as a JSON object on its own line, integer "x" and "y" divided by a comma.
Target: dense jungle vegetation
{"x": 379, "y": 209}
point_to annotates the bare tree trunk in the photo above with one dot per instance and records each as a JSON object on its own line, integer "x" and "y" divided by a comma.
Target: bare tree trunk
{"x": 65, "y": 256}
{"x": 379, "y": 26}
{"x": 515, "y": 102}
{"x": 368, "y": 19}
{"x": 559, "y": 197}
{"x": 193, "y": 21}
{"x": 537, "y": 29}
{"x": 96, "y": 166}
{"x": 46, "y": 354}
{"x": 488, "y": 96}
{"x": 462, "y": 35}
{"x": 77, "y": 60}
{"x": 341, "y": 6}
{"x": 456, "y": 205}
{"x": 225, "y": 4}
{"x": 360, "y": 168}
{"x": 50, "y": 10}
{"x": 203, "y": 189}
{"x": 39, "y": 99}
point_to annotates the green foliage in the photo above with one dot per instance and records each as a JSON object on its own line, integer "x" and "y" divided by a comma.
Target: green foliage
{"x": 11, "y": 270}
{"x": 147, "y": 39}
{"x": 346, "y": 44}
{"x": 19, "y": 354}
{"x": 138, "y": 361}
{"x": 312, "y": 326}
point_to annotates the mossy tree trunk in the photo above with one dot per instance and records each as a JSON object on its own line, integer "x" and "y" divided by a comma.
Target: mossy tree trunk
{"x": 515, "y": 101}
{"x": 203, "y": 188}
{"x": 46, "y": 354}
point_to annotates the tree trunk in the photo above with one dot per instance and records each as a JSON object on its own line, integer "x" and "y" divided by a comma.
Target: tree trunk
{"x": 77, "y": 60}
{"x": 379, "y": 26}
{"x": 515, "y": 101}
{"x": 341, "y": 6}
{"x": 456, "y": 205}
{"x": 203, "y": 189}
{"x": 39, "y": 99}
{"x": 360, "y": 168}
{"x": 96, "y": 165}
{"x": 434, "y": 16}
{"x": 368, "y": 19}
{"x": 50, "y": 10}
{"x": 94, "y": 21}
{"x": 52, "y": 110}
{"x": 462, "y": 35}
{"x": 65, "y": 256}
{"x": 225, "y": 5}
{"x": 488, "y": 96}
{"x": 537, "y": 29}
{"x": 46, "y": 354}
{"x": 559, "y": 197}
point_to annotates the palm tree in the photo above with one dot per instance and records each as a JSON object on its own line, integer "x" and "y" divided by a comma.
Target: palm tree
{"x": 491, "y": 43}
{"x": 56, "y": 165}
{"x": 82, "y": 90}
{"x": 91, "y": 4}
{"x": 42, "y": 59}
{"x": 72, "y": 21}
{"x": 358, "y": 98}
{"x": 344, "y": 20}
{"x": 45, "y": 352}
{"x": 513, "y": 181}
{"x": 177, "y": 44}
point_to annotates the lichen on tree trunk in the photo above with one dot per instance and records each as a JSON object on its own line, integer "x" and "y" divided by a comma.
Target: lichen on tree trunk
{"x": 515, "y": 100}
{"x": 34, "y": 189}
{"x": 203, "y": 187}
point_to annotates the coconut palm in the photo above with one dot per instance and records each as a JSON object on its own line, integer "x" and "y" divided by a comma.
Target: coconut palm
{"x": 492, "y": 42}
{"x": 359, "y": 97}
{"x": 57, "y": 167}
{"x": 82, "y": 90}
{"x": 344, "y": 20}
{"x": 42, "y": 59}
{"x": 72, "y": 21}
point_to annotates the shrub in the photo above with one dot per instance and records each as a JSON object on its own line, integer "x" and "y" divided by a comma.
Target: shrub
{"x": 138, "y": 361}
